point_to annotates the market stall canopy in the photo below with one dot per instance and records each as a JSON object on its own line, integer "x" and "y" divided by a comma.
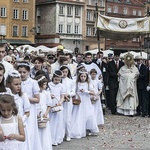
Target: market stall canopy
{"x": 122, "y": 28}
{"x": 28, "y": 47}
{"x": 105, "y": 52}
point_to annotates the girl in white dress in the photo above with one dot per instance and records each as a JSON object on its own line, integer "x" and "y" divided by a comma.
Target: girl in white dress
{"x": 43, "y": 108}
{"x": 96, "y": 101}
{"x": 13, "y": 81}
{"x": 31, "y": 88}
{"x": 11, "y": 126}
{"x": 70, "y": 92}
{"x": 3, "y": 89}
{"x": 83, "y": 117}
{"x": 57, "y": 94}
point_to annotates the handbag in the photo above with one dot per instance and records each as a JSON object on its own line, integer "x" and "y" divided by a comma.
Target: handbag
{"x": 76, "y": 100}
{"x": 42, "y": 122}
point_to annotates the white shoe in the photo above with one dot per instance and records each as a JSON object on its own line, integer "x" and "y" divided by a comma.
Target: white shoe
{"x": 54, "y": 144}
{"x": 68, "y": 139}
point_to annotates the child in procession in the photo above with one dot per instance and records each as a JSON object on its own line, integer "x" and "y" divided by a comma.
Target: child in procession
{"x": 43, "y": 108}
{"x": 70, "y": 92}
{"x": 13, "y": 81}
{"x": 12, "y": 133}
{"x": 95, "y": 99}
{"x": 83, "y": 118}
{"x": 57, "y": 92}
{"x": 31, "y": 88}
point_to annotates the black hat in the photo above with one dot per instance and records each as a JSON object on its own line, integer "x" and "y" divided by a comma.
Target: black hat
{"x": 50, "y": 56}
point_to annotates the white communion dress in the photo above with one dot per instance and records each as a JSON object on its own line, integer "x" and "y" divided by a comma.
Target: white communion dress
{"x": 10, "y": 126}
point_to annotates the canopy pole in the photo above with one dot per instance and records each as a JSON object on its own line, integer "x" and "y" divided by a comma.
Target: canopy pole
{"x": 98, "y": 31}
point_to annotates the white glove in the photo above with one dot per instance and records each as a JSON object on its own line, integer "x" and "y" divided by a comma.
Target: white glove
{"x": 148, "y": 88}
{"x": 24, "y": 118}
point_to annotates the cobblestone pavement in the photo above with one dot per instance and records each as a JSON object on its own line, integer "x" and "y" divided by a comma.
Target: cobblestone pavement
{"x": 118, "y": 133}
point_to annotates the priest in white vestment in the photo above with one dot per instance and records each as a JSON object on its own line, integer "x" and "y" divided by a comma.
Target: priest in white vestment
{"x": 127, "y": 97}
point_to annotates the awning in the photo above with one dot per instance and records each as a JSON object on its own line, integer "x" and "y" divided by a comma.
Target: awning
{"x": 17, "y": 41}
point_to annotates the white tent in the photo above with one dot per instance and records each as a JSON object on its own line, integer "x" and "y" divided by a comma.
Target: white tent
{"x": 54, "y": 50}
{"x": 143, "y": 54}
{"x": 43, "y": 48}
{"x": 105, "y": 52}
{"x": 30, "y": 48}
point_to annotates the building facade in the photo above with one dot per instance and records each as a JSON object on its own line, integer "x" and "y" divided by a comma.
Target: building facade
{"x": 67, "y": 22}
{"x": 17, "y": 21}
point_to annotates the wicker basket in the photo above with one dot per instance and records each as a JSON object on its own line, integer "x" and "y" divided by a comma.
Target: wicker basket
{"x": 42, "y": 122}
{"x": 76, "y": 100}
{"x": 55, "y": 109}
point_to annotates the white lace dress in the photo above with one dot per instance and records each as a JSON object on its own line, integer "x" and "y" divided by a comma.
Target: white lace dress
{"x": 10, "y": 126}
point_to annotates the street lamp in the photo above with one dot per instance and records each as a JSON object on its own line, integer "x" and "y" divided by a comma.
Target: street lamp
{"x": 98, "y": 31}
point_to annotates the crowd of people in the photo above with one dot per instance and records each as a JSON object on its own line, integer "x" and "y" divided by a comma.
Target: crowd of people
{"x": 45, "y": 100}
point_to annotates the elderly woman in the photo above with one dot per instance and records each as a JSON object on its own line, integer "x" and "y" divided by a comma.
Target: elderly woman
{"x": 127, "y": 97}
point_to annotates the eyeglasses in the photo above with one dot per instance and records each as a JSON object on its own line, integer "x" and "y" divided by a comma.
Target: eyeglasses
{"x": 10, "y": 61}
{"x": 2, "y": 51}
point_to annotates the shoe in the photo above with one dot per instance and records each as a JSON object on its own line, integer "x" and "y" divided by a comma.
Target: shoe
{"x": 138, "y": 114}
{"x": 143, "y": 115}
{"x": 89, "y": 134}
{"x": 68, "y": 139}
{"x": 94, "y": 134}
{"x": 59, "y": 143}
{"x": 54, "y": 144}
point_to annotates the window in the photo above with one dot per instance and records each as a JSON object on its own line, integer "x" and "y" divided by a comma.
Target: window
{"x": 61, "y": 10}
{"x": 16, "y": 0}
{"x": 68, "y": 28}
{"x": 25, "y": 1}
{"x": 102, "y": 4}
{"x": 38, "y": 30}
{"x": 109, "y": 9}
{"x": 60, "y": 28}
{"x": 134, "y": 12}
{"x": 15, "y": 30}
{"x": 25, "y": 15}
{"x": 125, "y": 11}
{"x": 3, "y": 12}
{"x": 115, "y": 9}
{"x": 15, "y": 14}
{"x": 2, "y": 29}
{"x": 76, "y": 29}
{"x": 69, "y": 10}
{"x": 89, "y": 2}
{"x": 94, "y": 31}
{"x": 88, "y": 15}
{"x": 139, "y": 13}
{"x": 88, "y": 31}
{"x": 24, "y": 31}
{"x": 77, "y": 11}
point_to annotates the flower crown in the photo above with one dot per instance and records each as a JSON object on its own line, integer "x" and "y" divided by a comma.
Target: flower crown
{"x": 14, "y": 73}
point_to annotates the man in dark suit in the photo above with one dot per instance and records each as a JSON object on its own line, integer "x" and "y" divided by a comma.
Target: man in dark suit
{"x": 141, "y": 87}
{"x": 113, "y": 68}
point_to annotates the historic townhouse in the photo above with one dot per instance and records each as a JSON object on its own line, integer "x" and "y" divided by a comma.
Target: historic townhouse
{"x": 17, "y": 21}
